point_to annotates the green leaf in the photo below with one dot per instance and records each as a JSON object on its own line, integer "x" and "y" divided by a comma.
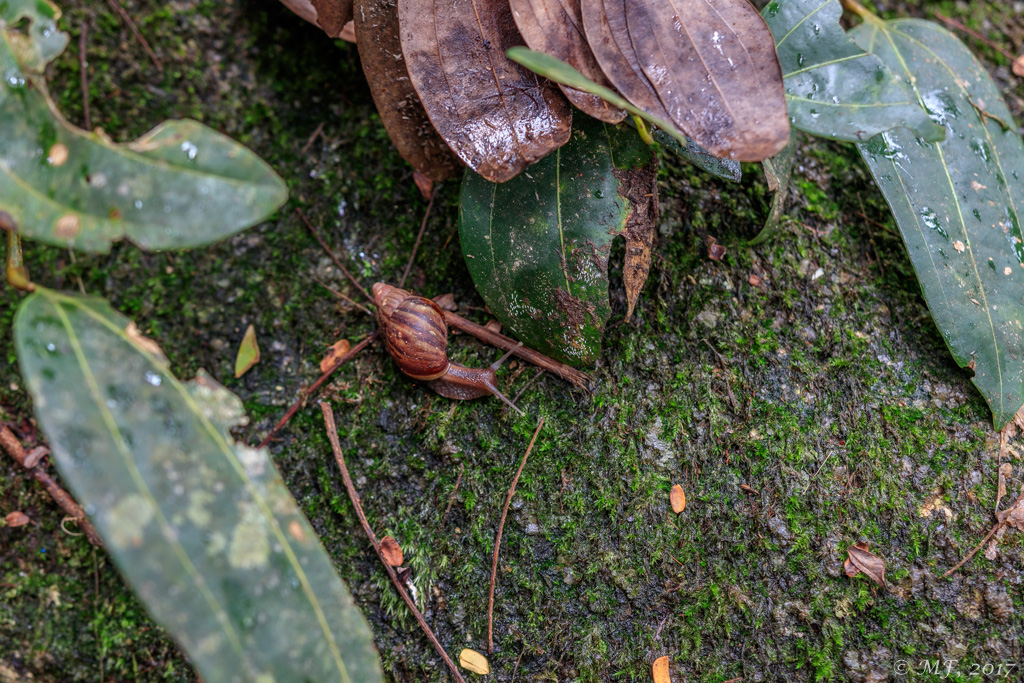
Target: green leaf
{"x": 248, "y": 352}
{"x": 537, "y": 246}
{"x": 834, "y": 89}
{"x": 202, "y": 528}
{"x": 958, "y": 202}
{"x": 181, "y": 185}
{"x": 667, "y": 134}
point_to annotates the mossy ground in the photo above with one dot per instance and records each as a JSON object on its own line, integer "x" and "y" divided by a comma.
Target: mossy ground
{"x": 815, "y": 410}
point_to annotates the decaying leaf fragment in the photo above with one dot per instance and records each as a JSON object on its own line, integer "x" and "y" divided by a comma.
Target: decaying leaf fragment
{"x": 677, "y": 497}
{"x": 248, "y": 352}
{"x": 495, "y": 115}
{"x": 555, "y": 27}
{"x": 660, "y": 670}
{"x": 337, "y": 350}
{"x": 471, "y": 660}
{"x": 16, "y": 519}
{"x": 639, "y": 187}
{"x": 860, "y": 559}
{"x": 332, "y": 15}
{"x": 391, "y": 551}
{"x": 400, "y": 109}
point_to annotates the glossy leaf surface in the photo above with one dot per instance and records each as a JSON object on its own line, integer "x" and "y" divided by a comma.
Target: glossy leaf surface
{"x": 495, "y": 115}
{"x": 181, "y": 185}
{"x": 380, "y": 52}
{"x": 537, "y": 246}
{"x": 958, "y": 203}
{"x": 201, "y": 527}
{"x": 555, "y": 27}
{"x": 835, "y": 89}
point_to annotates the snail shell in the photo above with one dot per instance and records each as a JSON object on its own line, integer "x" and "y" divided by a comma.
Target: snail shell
{"x": 415, "y": 333}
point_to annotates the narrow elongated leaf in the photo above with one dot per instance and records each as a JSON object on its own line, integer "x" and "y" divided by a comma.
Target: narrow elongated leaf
{"x": 714, "y": 68}
{"x": 202, "y": 528}
{"x": 666, "y": 134}
{"x": 380, "y": 51}
{"x": 496, "y": 116}
{"x": 180, "y": 185}
{"x": 958, "y": 202}
{"x": 834, "y": 89}
{"x": 537, "y": 246}
{"x": 555, "y": 27}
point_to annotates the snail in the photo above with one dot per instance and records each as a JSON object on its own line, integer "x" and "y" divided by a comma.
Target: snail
{"x": 416, "y": 336}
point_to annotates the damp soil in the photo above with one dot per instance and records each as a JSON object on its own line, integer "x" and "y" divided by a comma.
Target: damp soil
{"x": 801, "y": 414}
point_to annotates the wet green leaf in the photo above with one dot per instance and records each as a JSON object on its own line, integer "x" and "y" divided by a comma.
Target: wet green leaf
{"x": 180, "y": 185}
{"x": 667, "y": 133}
{"x": 201, "y": 527}
{"x": 958, "y": 202}
{"x": 834, "y": 89}
{"x": 537, "y": 246}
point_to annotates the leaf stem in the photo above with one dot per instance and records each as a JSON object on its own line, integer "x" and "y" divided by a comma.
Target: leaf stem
{"x": 860, "y": 10}
{"x": 17, "y": 274}
{"x": 641, "y": 129}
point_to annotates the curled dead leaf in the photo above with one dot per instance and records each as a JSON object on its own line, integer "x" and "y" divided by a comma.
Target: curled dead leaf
{"x": 471, "y": 660}
{"x": 16, "y": 519}
{"x": 337, "y": 350}
{"x": 861, "y": 560}
{"x": 660, "y": 670}
{"x": 677, "y": 497}
{"x": 446, "y": 302}
{"x": 391, "y": 551}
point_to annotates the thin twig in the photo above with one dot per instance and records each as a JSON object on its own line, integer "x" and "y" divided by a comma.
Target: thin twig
{"x": 540, "y": 371}
{"x": 992, "y": 532}
{"x": 497, "y": 540}
{"x": 83, "y": 68}
{"x": 451, "y": 498}
{"x": 127, "y": 18}
{"x": 578, "y": 379}
{"x": 725, "y": 371}
{"x": 974, "y": 34}
{"x": 60, "y": 496}
{"x": 332, "y": 435}
{"x": 309, "y": 142}
{"x": 334, "y": 258}
{"x": 306, "y": 393}
{"x": 419, "y": 236}
{"x": 338, "y": 294}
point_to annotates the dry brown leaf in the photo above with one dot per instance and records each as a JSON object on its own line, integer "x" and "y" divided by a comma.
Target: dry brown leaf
{"x": 1005, "y": 470}
{"x": 400, "y": 109}
{"x": 391, "y": 551}
{"x": 716, "y": 252}
{"x": 660, "y": 670}
{"x": 497, "y": 116}
{"x": 493, "y": 326}
{"x": 555, "y": 27}
{"x": 1018, "y": 66}
{"x": 147, "y": 344}
{"x": 446, "y": 302}
{"x": 337, "y": 350}
{"x": 677, "y": 497}
{"x": 16, "y": 519}
{"x": 860, "y": 559}
{"x": 332, "y": 15}
{"x": 754, "y": 280}
{"x": 714, "y": 67}
{"x": 471, "y": 660}
{"x": 640, "y": 189}
{"x": 424, "y": 184}
{"x": 748, "y": 490}
{"x": 348, "y": 33}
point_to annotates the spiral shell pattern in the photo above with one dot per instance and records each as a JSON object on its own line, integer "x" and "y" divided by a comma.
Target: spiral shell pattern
{"x": 415, "y": 333}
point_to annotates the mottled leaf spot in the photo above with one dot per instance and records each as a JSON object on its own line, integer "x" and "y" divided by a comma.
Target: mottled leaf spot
{"x": 67, "y": 226}
{"x": 197, "y": 512}
{"x": 127, "y": 520}
{"x": 959, "y": 246}
{"x": 57, "y": 155}
{"x": 250, "y": 546}
{"x": 1007, "y": 270}
{"x": 295, "y": 531}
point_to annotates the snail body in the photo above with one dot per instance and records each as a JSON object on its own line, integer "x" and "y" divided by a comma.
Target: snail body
{"x": 416, "y": 336}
